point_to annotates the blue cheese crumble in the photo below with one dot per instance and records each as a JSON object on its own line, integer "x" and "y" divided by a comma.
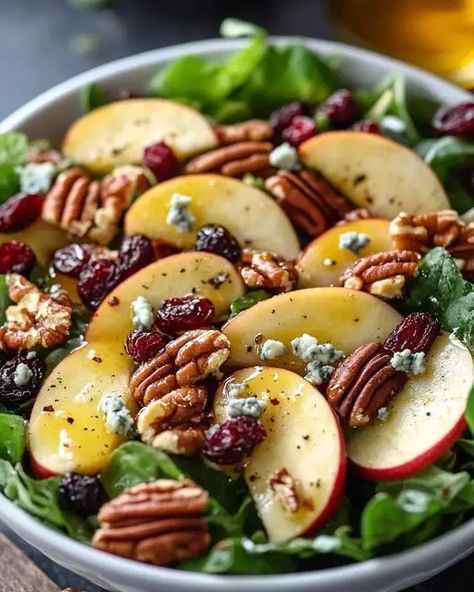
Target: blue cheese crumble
{"x": 411, "y": 363}
{"x": 22, "y": 375}
{"x": 117, "y": 417}
{"x": 353, "y": 241}
{"x": 248, "y": 406}
{"x": 234, "y": 389}
{"x": 318, "y": 357}
{"x": 284, "y": 157}
{"x": 179, "y": 215}
{"x": 272, "y": 349}
{"x": 36, "y": 177}
{"x": 142, "y": 314}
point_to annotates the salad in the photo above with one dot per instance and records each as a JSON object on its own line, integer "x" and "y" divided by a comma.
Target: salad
{"x": 237, "y": 316}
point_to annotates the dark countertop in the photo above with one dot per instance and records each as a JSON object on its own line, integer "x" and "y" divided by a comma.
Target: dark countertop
{"x": 37, "y": 40}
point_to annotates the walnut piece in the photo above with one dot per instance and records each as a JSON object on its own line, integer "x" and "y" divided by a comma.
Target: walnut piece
{"x": 176, "y": 423}
{"x": 158, "y": 523}
{"x": 268, "y": 271}
{"x": 184, "y": 361}
{"x": 253, "y": 130}
{"x": 383, "y": 274}
{"x": 37, "y": 318}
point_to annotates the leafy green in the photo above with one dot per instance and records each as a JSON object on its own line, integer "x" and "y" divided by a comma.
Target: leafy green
{"x": 247, "y": 301}
{"x": 470, "y": 414}
{"x": 91, "y": 4}
{"x": 93, "y": 96}
{"x": 9, "y": 182}
{"x": 12, "y": 437}
{"x": 441, "y": 290}
{"x": 13, "y": 147}
{"x": 4, "y": 298}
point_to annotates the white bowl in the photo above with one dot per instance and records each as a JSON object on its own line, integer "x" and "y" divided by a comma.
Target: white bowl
{"x": 48, "y": 116}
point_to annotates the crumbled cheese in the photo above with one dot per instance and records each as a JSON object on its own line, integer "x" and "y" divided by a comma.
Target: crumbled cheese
{"x": 117, "y": 417}
{"x": 285, "y": 157}
{"x": 325, "y": 543}
{"x": 317, "y": 373}
{"x": 327, "y": 262}
{"x": 178, "y": 213}
{"x": 353, "y": 241}
{"x": 22, "y": 375}
{"x": 36, "y": 177}
{"x": 413, "y": 501}
{"x": 31, "y": 355}
{"x": 65, "y": 443}
{"x": 142, "y": 314}
{"x": 233, "y": 389}
{"x": 411, "y": 363}
{"x": 383, "y": 413}
{"x": 92, "y": 355}
{"x": 318, "y": 357}
{"x": 272, "y": 349}
{"x": 249, "y": 406}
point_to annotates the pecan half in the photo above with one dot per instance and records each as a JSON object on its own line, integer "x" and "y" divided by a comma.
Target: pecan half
{"x": 234, "y": 160}
{"x": 286, "y": 490}
{"x": 267, "y": 271}
{"x": 183, "y": 362}
{"x": 158, "y": 523}
{"x": 364, "y": 383}
{"x": 383, "y": 274}
{"x": 37, "y": 318}
{"x": 176, "y": 423}
{"x": 253, "y": 130}
{"x": 310, "y": 202}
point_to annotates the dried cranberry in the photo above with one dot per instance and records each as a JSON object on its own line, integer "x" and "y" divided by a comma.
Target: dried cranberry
{"x": 302, "y": 128}
{"x": 143, "y": 345}
{"x": 16, "y": 257}
{"x": 21, "y": 378}
{"x": 282, "y": 117}
{"x": 70, "y": 260}
{"x": 82, "y": 493}
{"x": 340, "y": 108}
{"x": 218, "y": 240}
{"x": 367, "y": 126}
{"x": 231, "y": 441}
{"x": 163, "y": 249}
{"x": 136, "y": 251}
{"x": 20, "y": 211}
{"x": 96, "y": 280}
{"x": 416, "y": 332}
{"x": 455, "y": 121}
{"x": 184, "y": 314}
{"x": 161, "y": 160}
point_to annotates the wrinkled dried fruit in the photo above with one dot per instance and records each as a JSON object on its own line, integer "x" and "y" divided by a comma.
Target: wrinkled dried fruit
{"x": 20, "y": 211}
{"x": 417, "y": 332}
{"x": 161, "y": 160}
{"x": 218, "y": 240}
{"x": 21, "y": 378}
{"x": 282, "y": 117}
{"x": 231, "y": 441}
{"x": 16, "y": 257}
{"x": 367, "y": 126}
{"x": 143, "y": 345}
{"x": 136, "y": 251}
{"x": 70, "y": 260}
{"x": 456, "y": 121}
{"x": 302, "y": 128}
{"x": 340, "y": 108}
{"x": 96, "y": 280}
{"x": 184, "y": 314}
{"x": 82, "y": 493}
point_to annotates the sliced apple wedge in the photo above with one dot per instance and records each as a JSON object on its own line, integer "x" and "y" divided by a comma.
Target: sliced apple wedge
{"x": 345, "y": 318}
{"x": 250, "y": 215}
{"x": 117, "y": 133}
{"x": 303, "y": 438}
{"x": 423, "y": 421}
{"x": 375, "y": 173}
{"x": 323, "y": 261}
{"x": 43, "y": 238}
{"x": 67, "y": 432}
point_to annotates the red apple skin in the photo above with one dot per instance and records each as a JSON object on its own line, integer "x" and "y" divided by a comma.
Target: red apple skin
{"x": 39, "y": 471}
{"x": 339, "y": 483}
{"x": 418, "y": 463}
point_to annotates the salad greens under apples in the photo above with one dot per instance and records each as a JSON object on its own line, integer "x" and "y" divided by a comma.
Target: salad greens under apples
{"x": 296, "y": 93}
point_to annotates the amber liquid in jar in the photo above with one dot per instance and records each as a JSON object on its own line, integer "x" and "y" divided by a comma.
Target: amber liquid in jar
{"x": 437, "y": 35}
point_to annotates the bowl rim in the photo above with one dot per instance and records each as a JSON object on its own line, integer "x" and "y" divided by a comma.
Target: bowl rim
{"x": 429, "y": 557}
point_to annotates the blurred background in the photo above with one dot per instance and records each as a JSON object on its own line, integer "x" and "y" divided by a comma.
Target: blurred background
{"x": 43, "y": 42}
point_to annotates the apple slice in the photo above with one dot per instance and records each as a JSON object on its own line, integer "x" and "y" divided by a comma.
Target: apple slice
{"x": 345, "y": 318}
{"x": 42, "y": 237}
{"x": 375, "y": 173}
{"x": 254, "y": 218}
{"x": 323, "y": 261}
{"x": 117, "y": 133}
{"x": 303, "y": 437}
{"x": 424, "y": 419}
{"x": 76, "y": 386}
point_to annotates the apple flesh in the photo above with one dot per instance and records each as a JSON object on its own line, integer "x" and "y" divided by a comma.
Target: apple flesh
{"x": 116, "y": 134}
{"x": 345, "y": 318}
{"x": 323, "y": 262}
{"x": 424, "y": 419}
{"x": 41, "y": 237}
{"x": 303, "y": 437}
{"x": 76, "y": 386}
{"x": 254, "y": 219}
{"x": 375, "y": 173}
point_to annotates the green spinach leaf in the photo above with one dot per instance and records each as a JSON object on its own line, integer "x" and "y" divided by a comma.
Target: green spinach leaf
{"x": 13, "y": 148}
{"x": 247, "y": 301}
{"x": 12, "y": 437}
{"x": 4, "y": 298}
{"x": 93, "y": 96}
